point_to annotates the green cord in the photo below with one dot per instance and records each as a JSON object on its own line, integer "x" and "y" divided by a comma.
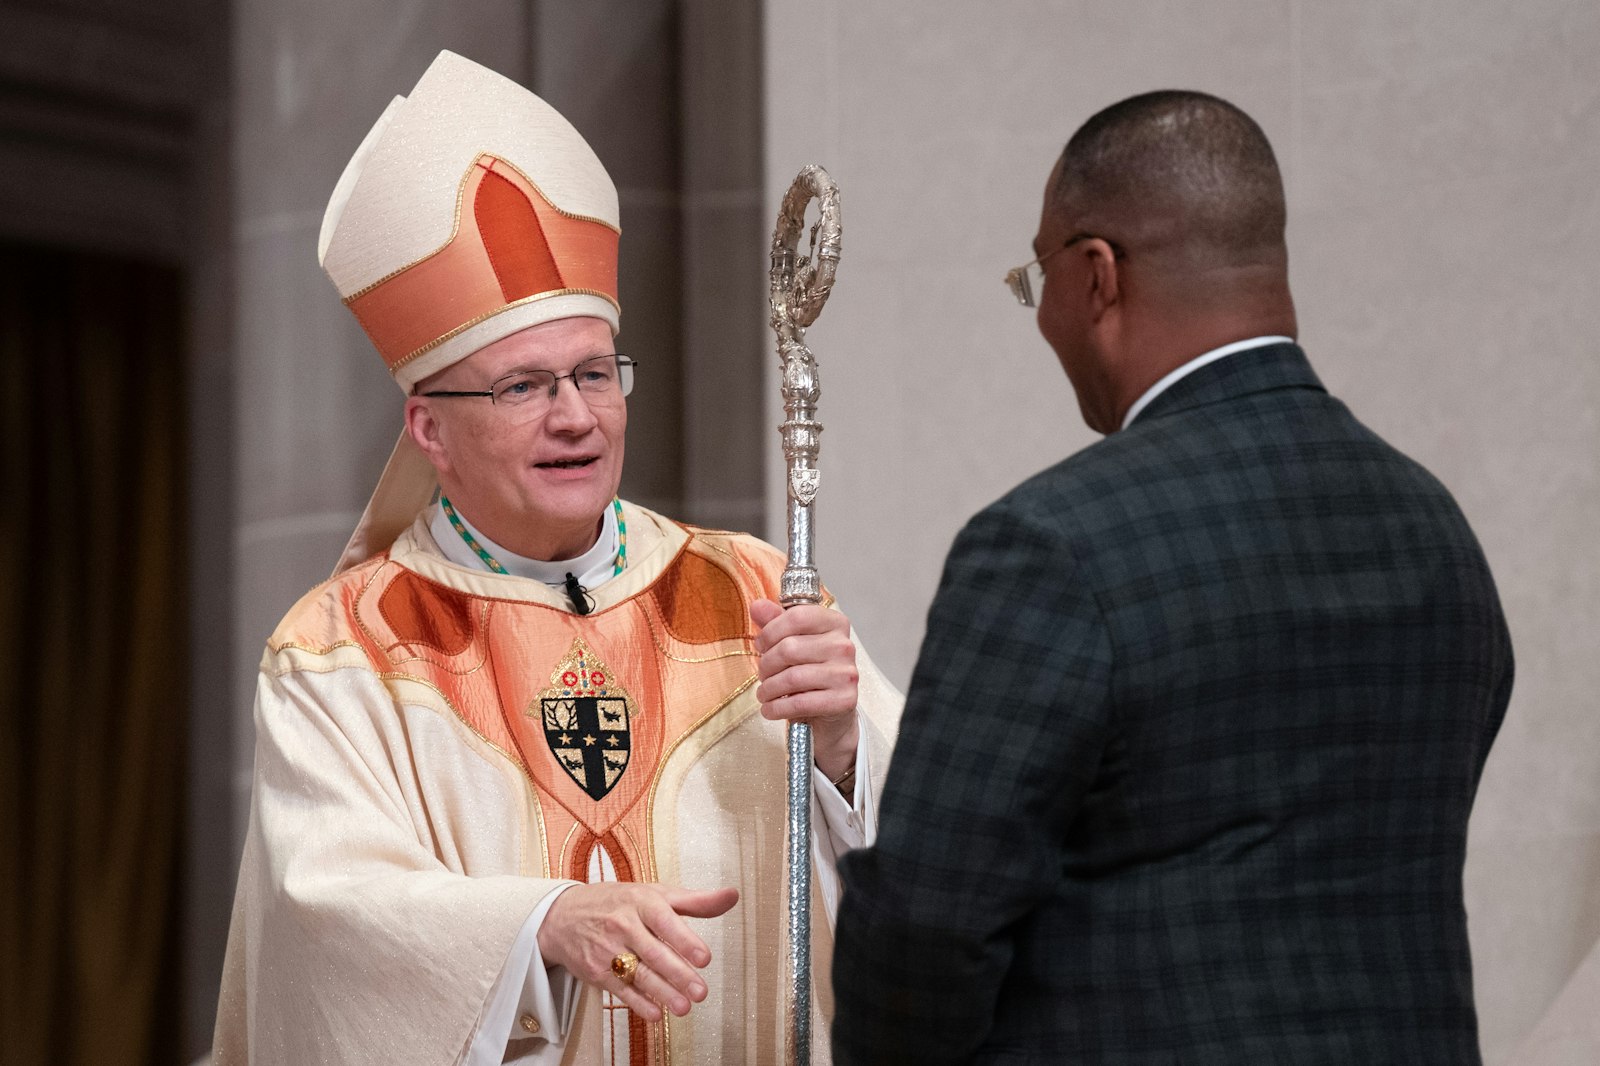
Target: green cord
{"x": 494, "y": 564}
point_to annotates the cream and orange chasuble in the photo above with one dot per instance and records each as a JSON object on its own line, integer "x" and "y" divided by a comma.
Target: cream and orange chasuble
{"x": 438, "y": 747}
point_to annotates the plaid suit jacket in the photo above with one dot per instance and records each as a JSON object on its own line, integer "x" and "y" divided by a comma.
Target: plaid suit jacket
{"x": 1187, "y": 757}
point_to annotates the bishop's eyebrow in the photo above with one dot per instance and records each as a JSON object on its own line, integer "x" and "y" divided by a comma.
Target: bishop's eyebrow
{"x": 552, "y": 370}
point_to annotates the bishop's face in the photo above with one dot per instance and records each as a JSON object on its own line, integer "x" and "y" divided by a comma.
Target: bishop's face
{"x": 539, "y": 485}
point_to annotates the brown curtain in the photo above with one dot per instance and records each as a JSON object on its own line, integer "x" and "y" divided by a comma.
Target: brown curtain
{"x": 92, "y": 661}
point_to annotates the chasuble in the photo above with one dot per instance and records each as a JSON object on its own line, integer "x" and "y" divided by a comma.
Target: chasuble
{"x": 440, "y": 748}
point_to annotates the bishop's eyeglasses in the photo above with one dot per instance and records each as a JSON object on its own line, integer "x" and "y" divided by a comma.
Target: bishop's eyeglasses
{"x": 527, "y": 394}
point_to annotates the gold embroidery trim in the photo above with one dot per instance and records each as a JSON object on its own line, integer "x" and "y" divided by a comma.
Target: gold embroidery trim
{"x": 666, "y": 757}
{"x": 482, "y": 637}
{"x": 722, "y": 550}
{"x": 655, "y": 638}
{"x": 294, "y": 645}
{"x": 565, "y": 858}
{"x": 538, "y": 815}
{"x": 649, "y": 858}
{"x": 449, "y": 703}
{"x": 397, "y": 676}
{"x": 755, "y": 579}
{"x": 521, "y": 771}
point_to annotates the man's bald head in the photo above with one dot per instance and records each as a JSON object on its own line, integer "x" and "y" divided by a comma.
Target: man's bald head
{"x": 1180, "y": 176}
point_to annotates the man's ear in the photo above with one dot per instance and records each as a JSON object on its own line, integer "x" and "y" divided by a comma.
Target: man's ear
{"x": 422, "y": 423}
{"x": 1105, "y": 287}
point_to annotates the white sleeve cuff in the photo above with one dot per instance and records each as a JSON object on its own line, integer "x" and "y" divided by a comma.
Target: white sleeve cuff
{"x": 837, "y": 826}
{"x": 528, "y": 1003}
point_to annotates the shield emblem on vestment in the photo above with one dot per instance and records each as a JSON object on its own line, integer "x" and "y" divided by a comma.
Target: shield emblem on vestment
{"x": 585, "y": 715}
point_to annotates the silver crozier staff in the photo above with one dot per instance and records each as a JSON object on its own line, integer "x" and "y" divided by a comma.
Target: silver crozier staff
{"x": 800, "y": 287}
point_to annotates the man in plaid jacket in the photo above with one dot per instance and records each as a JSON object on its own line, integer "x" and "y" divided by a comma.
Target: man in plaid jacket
{"x": 1187, "y": 760}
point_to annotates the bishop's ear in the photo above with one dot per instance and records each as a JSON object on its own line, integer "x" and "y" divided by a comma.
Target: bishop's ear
{"x": 422, "y": 424}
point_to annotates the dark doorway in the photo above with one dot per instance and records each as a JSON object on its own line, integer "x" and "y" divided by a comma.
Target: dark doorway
{"x": 94, "y": 559}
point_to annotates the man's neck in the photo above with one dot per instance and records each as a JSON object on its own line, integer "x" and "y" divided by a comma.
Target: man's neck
{"x": 1162, "y": 350}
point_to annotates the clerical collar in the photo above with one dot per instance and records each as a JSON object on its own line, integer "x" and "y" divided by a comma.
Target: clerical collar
{"x": 592, "y": 569}
{"x": 1195, "y": 364}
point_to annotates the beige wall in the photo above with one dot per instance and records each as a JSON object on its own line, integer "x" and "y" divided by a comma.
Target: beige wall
{"x": 1444, "y": 229}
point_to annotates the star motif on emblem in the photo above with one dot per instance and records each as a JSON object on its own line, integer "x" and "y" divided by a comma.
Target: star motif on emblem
{"x": 566, "y": 739}
{"x": 588, "y": 741}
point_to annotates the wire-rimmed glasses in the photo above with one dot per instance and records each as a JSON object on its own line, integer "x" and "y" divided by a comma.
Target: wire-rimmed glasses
{"x": 600, "y": 379}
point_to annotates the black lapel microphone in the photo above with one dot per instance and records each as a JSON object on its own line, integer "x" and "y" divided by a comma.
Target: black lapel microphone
{"x": 581, "y": 600}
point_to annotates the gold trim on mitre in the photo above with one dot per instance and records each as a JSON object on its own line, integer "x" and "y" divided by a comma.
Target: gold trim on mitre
{"x": 406, "y": 359}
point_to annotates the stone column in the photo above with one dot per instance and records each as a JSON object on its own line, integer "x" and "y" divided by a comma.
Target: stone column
{"x": 727, "y": 345}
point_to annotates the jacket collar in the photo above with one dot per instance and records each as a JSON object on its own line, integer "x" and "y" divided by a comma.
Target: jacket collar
{"x": 1264, "y": 369}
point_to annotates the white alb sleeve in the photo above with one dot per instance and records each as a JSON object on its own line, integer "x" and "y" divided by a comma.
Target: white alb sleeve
{"x": 528, "y": 1014}
{"x": 837, "y": 826}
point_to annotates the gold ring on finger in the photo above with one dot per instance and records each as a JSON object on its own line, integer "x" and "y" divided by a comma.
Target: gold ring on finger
{"x": 625, "y": 966}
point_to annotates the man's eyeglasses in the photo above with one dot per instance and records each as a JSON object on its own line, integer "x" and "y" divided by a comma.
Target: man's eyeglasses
{"x": 1026, "y": 282}
{"x": 527, "y": 394}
